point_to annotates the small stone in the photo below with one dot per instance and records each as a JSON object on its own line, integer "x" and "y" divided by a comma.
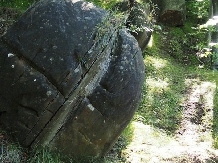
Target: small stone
{"x": 76, "y": 70}
{"x": 10, "y": 55}
{"x": 54, "y": 47}
{"x": 91, "y": 107}
{"x": 48, "y": 93}
{"x": 88, "y": 18}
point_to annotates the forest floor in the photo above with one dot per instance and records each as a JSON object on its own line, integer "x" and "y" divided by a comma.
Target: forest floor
{"x": 191, "y": 142}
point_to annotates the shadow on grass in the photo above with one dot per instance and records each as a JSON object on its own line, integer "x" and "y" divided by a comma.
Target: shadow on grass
{"x": 115, "y": 154}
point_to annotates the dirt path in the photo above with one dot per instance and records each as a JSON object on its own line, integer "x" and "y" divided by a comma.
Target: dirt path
{"x": 192, "y": 142}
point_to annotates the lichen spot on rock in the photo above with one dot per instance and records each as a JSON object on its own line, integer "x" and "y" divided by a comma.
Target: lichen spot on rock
{"x": 91, "y": 107}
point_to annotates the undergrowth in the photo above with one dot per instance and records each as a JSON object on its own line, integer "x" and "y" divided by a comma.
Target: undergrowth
{"x": 106, "y": 4}
{"x": 17, "y": 4}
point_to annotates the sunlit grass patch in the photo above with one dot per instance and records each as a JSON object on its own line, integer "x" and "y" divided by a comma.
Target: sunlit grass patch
{"x": 162, "y": 95}
{"x": 215, "y": 115}
{"x": 107, "y": 4}
{"x": 148, "y": 142}
{"x": 155, "y": 62}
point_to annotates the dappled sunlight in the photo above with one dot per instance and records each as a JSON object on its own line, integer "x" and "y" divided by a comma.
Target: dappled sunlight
{"x": 198, "y": 110}
{"x": 208, "y": 89}
{"x": 211, "y": 22}
{"x": 150, "y": 43}
{"x": 156, "y": 83}
{"x": 147, "y": 144}
{"x": 151, "y": 144}
{"x": 85, "y": 6}
{"x": 202, "y": 91}
{"x": 196, "y": 125}
{"x": 162, "y": 132}
{"x": 155, "y": 62}
{"x": 160, "y": 104}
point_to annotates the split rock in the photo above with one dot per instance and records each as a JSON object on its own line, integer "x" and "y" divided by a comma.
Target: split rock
{"x": 64, "y": 86}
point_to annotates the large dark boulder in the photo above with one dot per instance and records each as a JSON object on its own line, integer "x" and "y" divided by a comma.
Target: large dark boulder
{"x": 173, "y": 12}
{"x": 67, "y": 83}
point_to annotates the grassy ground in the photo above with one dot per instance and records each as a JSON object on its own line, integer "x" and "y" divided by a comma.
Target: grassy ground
{"x": 177, "y": 118}
{"x": 17, "y": 4}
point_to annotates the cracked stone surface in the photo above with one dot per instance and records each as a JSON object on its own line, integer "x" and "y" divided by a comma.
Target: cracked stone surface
{"x": 58, "y": 88}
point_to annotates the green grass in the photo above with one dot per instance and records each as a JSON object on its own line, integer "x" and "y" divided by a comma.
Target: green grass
{"x": 162, "y": 92}
{"x": 45, "y": 155}
{"x": 17, "y": 4}
{"x": 215, "y": 116}
{"x": 10, "y": 153}
{"x": 106, "y": 4}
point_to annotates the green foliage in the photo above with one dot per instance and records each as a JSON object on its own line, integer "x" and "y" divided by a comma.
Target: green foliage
{"x": 45, "y": 155}
{"x": 10, "y": 153}
{"x": 197, "y": 11}
{"x": 214, "y": 57}
{"x": 184, "y": 42}
{"x": 110, "y": 26}
{"x": 215, "y": 115}
{"x": 106, "y": 4}
{"x": 18, "y": 4}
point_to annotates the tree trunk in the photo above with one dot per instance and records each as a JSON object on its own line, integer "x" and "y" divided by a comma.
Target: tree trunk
{"x": 213, "y": 35}
{"x": 214, "y": 5}
{"x": 173, "y": 12}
